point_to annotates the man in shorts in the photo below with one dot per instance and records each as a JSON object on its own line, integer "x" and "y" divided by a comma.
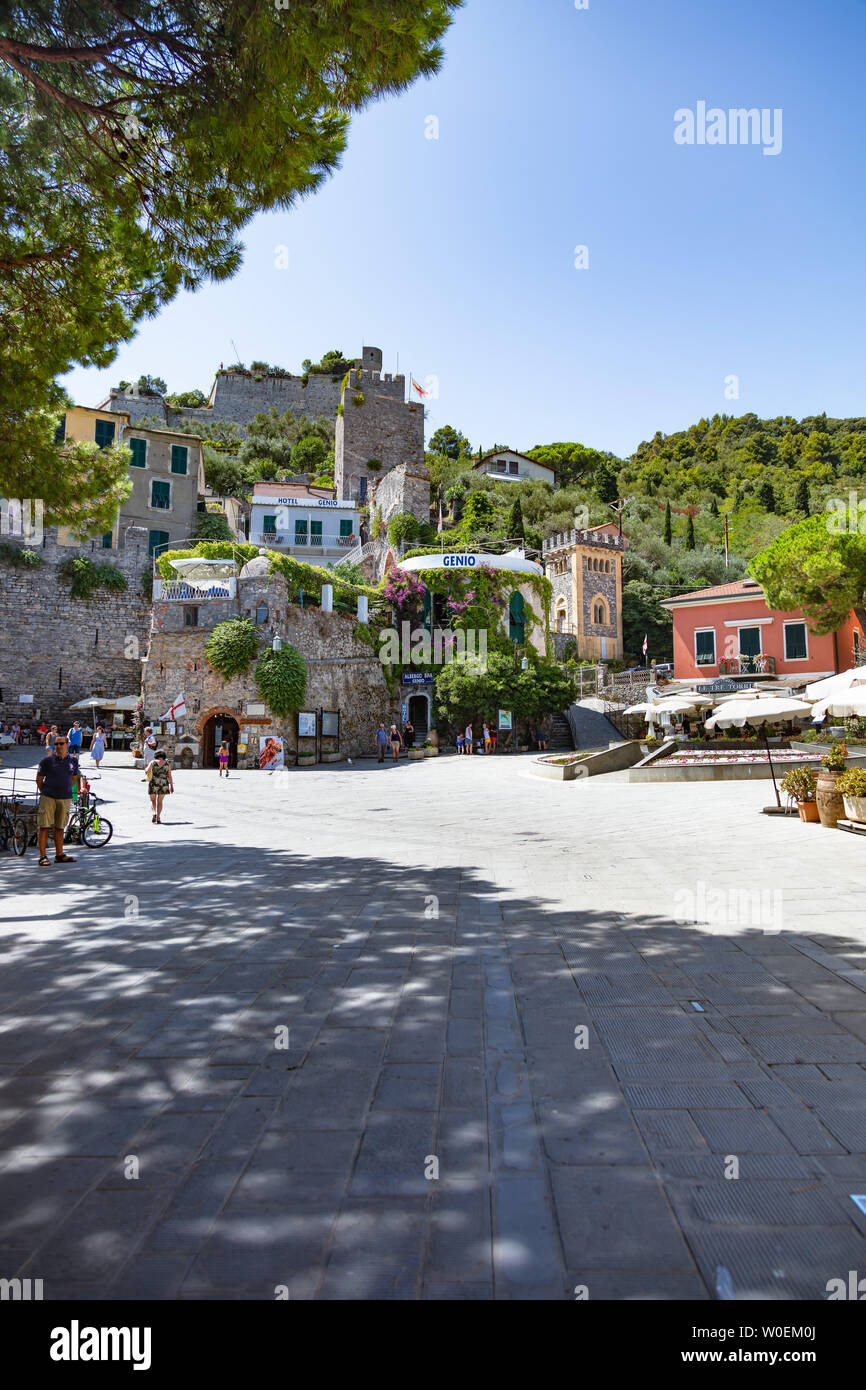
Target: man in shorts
{"x": 56, "y": 776}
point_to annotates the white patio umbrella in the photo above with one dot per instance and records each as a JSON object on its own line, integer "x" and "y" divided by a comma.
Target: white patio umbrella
{"x": 836, "y": 685}
{"x": 852, "y": 701}
{"x": 684, "y": 702}
{"x": 759, "y": 711}
{"x": 92, "y": 702}
{"x": 641, "y": 708}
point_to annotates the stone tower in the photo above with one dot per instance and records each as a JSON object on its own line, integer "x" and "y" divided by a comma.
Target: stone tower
{"x": 376, "y": 429}
{"x": 585, "y": 569}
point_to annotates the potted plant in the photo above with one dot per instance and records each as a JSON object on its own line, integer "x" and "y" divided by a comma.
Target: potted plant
{"x": 830, "y": 805}
{"x": 852, "y": 785}
{"x": 799, "y": 785}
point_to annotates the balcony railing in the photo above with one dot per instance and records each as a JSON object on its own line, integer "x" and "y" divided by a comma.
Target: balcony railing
{"x": 285, "y": 540}
{"x": 179, "y": 589}
{"x": 747, "y": 666}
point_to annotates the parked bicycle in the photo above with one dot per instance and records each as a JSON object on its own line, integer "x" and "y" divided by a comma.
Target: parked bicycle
{"x": 86, "y": 825}
{"x": 14, "y": 830}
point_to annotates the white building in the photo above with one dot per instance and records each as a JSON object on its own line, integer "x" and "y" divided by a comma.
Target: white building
{"x": 308, "y": 522}
{"x": 507, "y": 463}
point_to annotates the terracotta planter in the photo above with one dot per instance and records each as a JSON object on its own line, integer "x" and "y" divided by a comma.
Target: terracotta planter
{"x": 808, "y": 810}
{"x": 855, "y": 807}
{"x": 433, "y": 736}
{"x": 831, "y": 808}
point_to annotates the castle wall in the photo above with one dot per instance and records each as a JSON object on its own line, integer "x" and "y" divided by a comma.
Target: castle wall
{"x": 405, "y": 489}
{"x": 59, "y": 649}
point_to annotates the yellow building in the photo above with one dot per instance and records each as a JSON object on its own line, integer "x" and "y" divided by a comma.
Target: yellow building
{"x": 166, "y": 471}
{"x": 585, "y": 569}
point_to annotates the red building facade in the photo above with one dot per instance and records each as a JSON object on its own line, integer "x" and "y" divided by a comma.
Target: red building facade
{"x": 728, "y": 630}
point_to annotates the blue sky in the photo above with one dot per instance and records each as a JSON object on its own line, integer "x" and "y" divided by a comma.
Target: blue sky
{"x": 556, "y": 130}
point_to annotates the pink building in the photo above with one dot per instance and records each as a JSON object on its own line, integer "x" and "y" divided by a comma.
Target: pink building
{"x": 728, "y": 630}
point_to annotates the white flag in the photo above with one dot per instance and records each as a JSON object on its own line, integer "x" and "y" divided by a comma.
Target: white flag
{"x": 177, "y": 710}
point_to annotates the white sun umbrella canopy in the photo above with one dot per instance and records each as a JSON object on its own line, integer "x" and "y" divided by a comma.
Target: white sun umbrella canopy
{"x": 837, "y": 685}
{"x": 758, "y": 710}
{"x": 843, "y": 705}
{"x": 642, "y": 708}
{"x": 684, "y": 702}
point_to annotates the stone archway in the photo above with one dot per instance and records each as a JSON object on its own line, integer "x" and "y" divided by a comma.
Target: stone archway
{"x": 213, "y": 723}
{"x": 420, "y": 712}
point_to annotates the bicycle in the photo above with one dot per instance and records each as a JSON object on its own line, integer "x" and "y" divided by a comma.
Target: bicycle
{"x": 86, "y": 826}
{"x": 15, "y": 829}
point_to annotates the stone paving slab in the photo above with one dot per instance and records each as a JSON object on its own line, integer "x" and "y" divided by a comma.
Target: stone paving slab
{"x": 516, "y": 1099}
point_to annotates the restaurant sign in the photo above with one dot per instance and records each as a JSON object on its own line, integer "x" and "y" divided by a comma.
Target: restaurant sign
{"x": 719, "y": 687}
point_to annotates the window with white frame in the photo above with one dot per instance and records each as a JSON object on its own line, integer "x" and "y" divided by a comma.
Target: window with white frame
{"x": 796, "y": 648}
{"x": 705, "y": 646}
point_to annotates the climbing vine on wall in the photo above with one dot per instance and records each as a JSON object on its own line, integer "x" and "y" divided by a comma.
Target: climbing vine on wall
{"x": 232, "y": 647}
{"x": 478, "y": 599}
{"x": 84, "y": 577}
{"x": 281, "y": 678}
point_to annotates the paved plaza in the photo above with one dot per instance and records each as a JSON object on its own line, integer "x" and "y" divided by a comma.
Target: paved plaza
{"x": 439, "y": 1030}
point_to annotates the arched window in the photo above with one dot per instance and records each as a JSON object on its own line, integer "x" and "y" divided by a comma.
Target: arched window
{"x": 517, "y": 619}
{"x": 599, "y": 612}
{"x": 261, "y": 613}
{"x": 561, "y": 615}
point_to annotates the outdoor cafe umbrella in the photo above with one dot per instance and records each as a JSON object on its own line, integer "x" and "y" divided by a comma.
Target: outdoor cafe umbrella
{"x": 92, "y": 702}
{"x": 846, "y": 703}
{"x": 759, "y": 711}
{"x": 836, "y": 685}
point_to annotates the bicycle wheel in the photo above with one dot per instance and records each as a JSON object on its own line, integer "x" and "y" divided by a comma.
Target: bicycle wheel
{"x": 97, "y": 831}
{"x": 20, "y": 835}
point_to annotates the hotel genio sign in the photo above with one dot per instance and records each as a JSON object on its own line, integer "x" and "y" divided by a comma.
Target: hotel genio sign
{"x": 416, "y": 678}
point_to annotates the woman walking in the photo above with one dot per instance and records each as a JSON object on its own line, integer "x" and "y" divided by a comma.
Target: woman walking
{"x": 224, "y": 759}
{"x": 160, "y": 784}
{"x": 97, "y": 745}
{"x": 51, "y": 738}
{"x": 395, "y": 741}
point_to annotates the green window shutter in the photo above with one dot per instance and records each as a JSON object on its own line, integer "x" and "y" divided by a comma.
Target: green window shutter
{"x": 315, "y": 533}
{"x": 346, "y": 526}
{"x": 108, "y": 540}
{"x": 160, "y": 494}
{"x": 705, "y": 648}
{"x": 750, "y": 641}
{"x": 300, "y": 531}
{"x": 155, "y": 540}
{"x": 139, "y": 452}
{"x": 179, "y": 454}
{"x": 104, "y": 433}
{"x": 427, "y": 620}
{"x": 517, "y": 619}
{"x": 795, "y": 642}
{"x": 269, "y": 523}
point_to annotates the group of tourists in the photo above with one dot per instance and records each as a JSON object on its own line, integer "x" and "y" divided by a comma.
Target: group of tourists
{"x": 395, "y": 739}
{"x": 48, "y": 737}
{"x": 485, "y": 743}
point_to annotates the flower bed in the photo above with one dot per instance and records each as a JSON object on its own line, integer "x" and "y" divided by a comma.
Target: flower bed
{"x": 697, "y": 759}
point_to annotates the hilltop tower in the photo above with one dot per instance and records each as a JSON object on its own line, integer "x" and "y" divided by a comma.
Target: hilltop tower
{"x": 377, "y": 430}
{"x": 585, "y": 569}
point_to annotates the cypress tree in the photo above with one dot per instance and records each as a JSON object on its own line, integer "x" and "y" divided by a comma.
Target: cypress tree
{"x": 690, "y": 533}
{"x": 801, "y": 498}
{"x": 714, "y": 506}
{"x": 668, "y": 533}
{"x": 767, "y": 497}
{"x": 514, "y": 526}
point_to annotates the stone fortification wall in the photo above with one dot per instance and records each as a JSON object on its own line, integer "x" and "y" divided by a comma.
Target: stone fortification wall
{"x": 60, "y": 649}
{"x": 405, "y": 489}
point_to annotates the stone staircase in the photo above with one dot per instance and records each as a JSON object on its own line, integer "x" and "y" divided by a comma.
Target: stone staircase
{"x": 560, "y": 735}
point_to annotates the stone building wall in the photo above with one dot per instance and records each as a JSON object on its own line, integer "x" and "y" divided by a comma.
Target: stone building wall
{"x": 562, "y": 589}
{"x": 59, "y": 649}
{"x": 343, "y": 673}
{"x": 405, "y": 489}
{"x": 383, "y": 428}
{"x": 596, "y": 584}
